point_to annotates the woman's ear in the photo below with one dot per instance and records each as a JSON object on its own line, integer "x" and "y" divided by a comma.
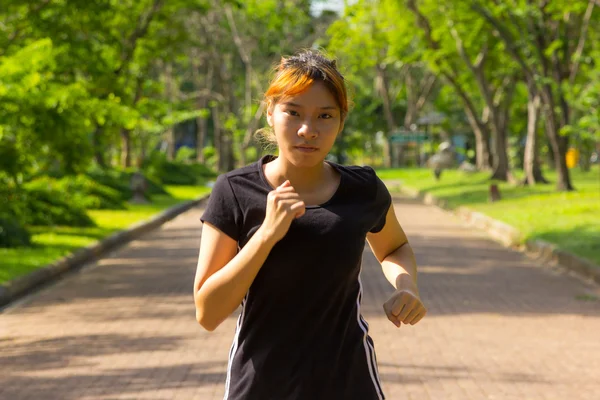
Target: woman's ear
{"x": 341, "y": 126}
{"x": 270, "y": 107}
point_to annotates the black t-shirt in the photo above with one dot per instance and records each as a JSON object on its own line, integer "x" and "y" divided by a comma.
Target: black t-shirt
{"x": 300, "y": 334}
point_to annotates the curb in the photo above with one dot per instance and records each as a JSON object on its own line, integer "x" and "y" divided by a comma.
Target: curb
{"x": 509, "y": 236}
{"x": 21, "y": 286}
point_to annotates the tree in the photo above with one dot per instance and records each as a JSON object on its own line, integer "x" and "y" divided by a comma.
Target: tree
{"x": 386, "y": 70}
{"x": 444, "y": 61}
{"x": 548, "y": 41}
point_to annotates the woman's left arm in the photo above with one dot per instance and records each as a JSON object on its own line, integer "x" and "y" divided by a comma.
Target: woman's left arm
{"x": 392, "y": 250}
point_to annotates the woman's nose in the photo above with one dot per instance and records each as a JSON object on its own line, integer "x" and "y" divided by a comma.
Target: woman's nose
{"x": 308, "y": 131}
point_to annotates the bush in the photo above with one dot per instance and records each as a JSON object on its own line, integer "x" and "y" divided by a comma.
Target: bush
{"x": 176, "y": 173}
{"x": 12, "y": 227}
{"x": 12, "y": 232}
{"x": 83, "y": 191}
{"x": 120, "y": 181}
{"x": 185, "y": 154}
{"x": 46, "y": 205}
{"x": 153, "y": 186}
{"x": 113, "y": 179}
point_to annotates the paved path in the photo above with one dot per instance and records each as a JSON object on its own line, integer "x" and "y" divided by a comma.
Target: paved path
{"x": 499, "y": 327}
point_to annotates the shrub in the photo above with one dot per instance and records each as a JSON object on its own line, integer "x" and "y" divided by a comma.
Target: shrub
{"x": 113, "y": 179}
{"x": 176, "y": 173}
{"x": 12, "y": 228}
{"x": 12, "y": 232}
{"x": 153, "y": 186}
{"x": 46, "y": 205}
{"x": 185, "y": 154}
{"x": 91, "y": 194}
{"x": 120, "y": 181}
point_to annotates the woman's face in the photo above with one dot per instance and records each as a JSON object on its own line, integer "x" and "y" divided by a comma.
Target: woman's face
{"x": 306, "y": 125}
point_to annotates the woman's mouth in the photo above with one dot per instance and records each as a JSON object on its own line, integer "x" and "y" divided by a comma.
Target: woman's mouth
{"x": 306, "y": 149}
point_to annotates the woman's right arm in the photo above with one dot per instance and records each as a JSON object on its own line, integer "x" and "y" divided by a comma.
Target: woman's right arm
{"x": 224, "y": 277}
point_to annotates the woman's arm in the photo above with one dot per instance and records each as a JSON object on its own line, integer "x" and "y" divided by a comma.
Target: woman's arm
{"x": 392, "y": 250}
{"x": 222, "y": 276}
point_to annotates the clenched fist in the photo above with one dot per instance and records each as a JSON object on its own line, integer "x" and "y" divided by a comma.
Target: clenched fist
{"x": 283, "y": 206}
{"x": 404, "y": 307}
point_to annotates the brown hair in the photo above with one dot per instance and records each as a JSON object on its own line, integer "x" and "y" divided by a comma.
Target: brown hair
{"x": 295, "y": 74}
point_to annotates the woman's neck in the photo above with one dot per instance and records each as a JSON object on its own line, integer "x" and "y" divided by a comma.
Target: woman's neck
{"x": 304, "y": 179}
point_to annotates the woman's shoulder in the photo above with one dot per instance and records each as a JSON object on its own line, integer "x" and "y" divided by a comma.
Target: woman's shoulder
{"x": 364, "y": 173}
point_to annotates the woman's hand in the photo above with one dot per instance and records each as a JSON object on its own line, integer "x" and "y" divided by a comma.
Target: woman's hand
{"x": 404, "y": 307}
{"x": 283, "y": 206}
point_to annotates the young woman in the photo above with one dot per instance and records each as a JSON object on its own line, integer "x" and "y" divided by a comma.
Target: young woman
{"x": 284, "y": 238}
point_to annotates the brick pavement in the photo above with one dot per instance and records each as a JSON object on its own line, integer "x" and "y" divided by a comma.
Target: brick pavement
{"x": 498, "y": 327}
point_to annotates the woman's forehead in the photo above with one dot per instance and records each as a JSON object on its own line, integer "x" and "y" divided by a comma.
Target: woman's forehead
{"x": 316, "y": 95}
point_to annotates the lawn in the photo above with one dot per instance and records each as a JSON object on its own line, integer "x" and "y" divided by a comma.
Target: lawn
{"x": 569, "y": 219}
{"x": 51, "y": 243}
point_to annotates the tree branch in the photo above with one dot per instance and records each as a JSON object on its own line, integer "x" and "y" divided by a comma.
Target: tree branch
{"x": 423, "y": 22}
{"x": 236, "y": 35}
{"x": 207, "y": 93}
{"x": 15, "y": 35}
{"x": 140, "y": 31}
{"x": 427, "y": 88}
{"x": 507, "y": 37}
{"x": 461, "y": 49}
{"x": 582, "y": 38}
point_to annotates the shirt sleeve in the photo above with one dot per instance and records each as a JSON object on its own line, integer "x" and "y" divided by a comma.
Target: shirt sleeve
{"x": 381, "y": 203}
{"x": 223, "y": 210}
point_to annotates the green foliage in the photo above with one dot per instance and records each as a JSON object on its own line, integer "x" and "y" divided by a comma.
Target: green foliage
{"x": 51, "y": 243}
{"x": 84, "y": 191}
{"x": 12, "y": 227}
{"x": 12, "y": 233}
{"x": 36, "y": 107}
{"x": 568, "y": 219}
{"x": 185, "y": 154}
{"x": 176, "y": 173}
{"x": 120, "y": 181}
{"x": 47, "y": 206}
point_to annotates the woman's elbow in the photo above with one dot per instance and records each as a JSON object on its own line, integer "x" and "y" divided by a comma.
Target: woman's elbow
{"x": 205, "y": 322}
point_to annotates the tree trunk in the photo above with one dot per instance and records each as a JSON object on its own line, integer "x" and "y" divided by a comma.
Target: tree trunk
{"x": 381, "y": 86}
{"x": 501, "y": 169}
{"x": 201, "y": 130}
{"x": 143, "y": 149}
{"x": 559, "y": 145}
{"x": 531, "y": 165}
{"x": 250, "y": 130}
{"x": 499, "y": 123}
{"x": 98, "y": 148}
{"x": 217, "y": 137}
{"x": 482, "y": 144}
{"x": 585, "y": 153}
{"x": 230, "y": 159}
{"x": 171, "y": 131}
{"x": 201, "y": 104}
{"x": 125, "y": 148}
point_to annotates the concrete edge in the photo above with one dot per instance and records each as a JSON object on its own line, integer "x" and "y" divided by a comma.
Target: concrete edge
{"x": 509, "y": 236}
{"x": 21, "y": 286}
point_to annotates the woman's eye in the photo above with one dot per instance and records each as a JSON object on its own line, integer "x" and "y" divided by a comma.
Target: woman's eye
{"x": 292, "y": 112}
{"x": 326, "y": 116}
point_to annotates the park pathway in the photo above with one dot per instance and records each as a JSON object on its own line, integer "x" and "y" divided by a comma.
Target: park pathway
{"x": 499, "y": 327}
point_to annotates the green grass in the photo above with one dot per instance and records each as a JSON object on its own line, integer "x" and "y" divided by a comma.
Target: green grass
{"x": 569, "y": 219}
{"x": 52, "y": 243}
